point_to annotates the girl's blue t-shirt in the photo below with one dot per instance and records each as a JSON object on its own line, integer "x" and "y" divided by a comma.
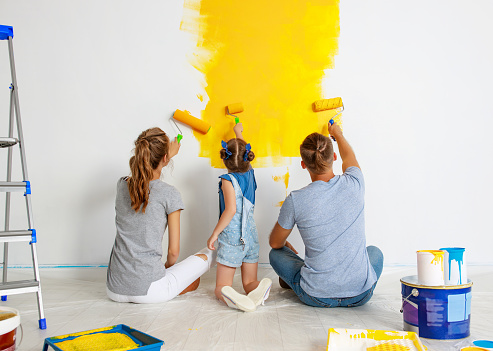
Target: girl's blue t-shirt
{"x": 247, "y": 183}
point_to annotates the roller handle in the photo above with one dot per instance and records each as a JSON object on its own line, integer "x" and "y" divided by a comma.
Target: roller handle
{"x": 331, "y": 123}
{"x": 179, "y": 137}
{"x": 237, "y": 120}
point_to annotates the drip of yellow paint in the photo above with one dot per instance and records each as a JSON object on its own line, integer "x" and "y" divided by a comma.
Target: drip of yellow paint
{"x": 99, "y": 341}
{"x": 284, "y": 178}
{"x": 271, "y": 57}
{"x": 438, "y": 257}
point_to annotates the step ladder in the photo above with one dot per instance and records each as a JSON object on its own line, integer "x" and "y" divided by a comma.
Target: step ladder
{"x": 7, "y": 236}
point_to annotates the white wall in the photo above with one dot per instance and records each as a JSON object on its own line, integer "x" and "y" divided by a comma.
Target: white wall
{"x": 415, "y": 80}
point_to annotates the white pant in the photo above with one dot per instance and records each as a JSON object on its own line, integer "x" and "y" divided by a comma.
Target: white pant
{"x": 177, "y": 278}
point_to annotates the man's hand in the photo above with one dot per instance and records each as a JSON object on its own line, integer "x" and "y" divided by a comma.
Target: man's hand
{"x": 289, "y": 246}
{"x": 335, "y": 130}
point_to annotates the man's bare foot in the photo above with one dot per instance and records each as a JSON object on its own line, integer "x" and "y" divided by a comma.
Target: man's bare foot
{"x": 191, "y": 287}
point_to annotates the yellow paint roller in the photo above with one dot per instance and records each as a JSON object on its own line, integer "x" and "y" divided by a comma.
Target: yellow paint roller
{"x": 235, "y": 108}
{"x": 329, "y": 104}
{"x": 195, "y": 123}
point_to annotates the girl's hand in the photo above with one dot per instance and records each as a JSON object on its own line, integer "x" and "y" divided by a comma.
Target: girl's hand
{"x": 211, "y": 241}
{"x": 174, "y": 147}
{"x": 238, "y": 129}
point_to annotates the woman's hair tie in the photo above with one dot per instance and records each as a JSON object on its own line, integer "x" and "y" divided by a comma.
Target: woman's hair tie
{"x": 248, "y": 147}
{"x": 225, "y": 147}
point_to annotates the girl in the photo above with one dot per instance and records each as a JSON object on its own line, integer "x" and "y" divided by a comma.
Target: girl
{"x": 235, "y": 231}
{"x": 145, "y": 206}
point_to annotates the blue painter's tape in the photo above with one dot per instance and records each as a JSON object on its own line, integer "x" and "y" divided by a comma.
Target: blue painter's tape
{"x": 28, "y": 187}
{"x": 33, "y": 235}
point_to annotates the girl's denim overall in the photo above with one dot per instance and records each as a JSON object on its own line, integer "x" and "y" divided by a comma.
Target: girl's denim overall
{"x": 238, "y": 242}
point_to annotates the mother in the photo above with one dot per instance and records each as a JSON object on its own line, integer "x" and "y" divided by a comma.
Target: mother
{"x": 145, "y": 206}
{"x": 338, "y": 269}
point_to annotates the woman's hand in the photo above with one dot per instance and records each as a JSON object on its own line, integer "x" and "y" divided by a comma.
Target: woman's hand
{"x": 211, "y": 241}
{"x": 174, "y": 147}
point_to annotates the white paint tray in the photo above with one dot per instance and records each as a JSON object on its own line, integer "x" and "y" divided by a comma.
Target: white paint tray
{"x": 372, "y": 340}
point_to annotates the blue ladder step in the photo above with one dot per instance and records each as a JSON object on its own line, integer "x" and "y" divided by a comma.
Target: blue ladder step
{"x": 6, "y": 32}
{"x": 10, "y": 187}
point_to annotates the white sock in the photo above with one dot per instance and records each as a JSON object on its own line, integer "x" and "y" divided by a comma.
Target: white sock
{"x": 261, "y": 292}
{"x": 236, "y": 300}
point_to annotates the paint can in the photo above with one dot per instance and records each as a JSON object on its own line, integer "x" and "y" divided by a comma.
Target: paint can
{"x": 455, "y": 270}
{"x": 430, "y": 267}
{"x": 436, "y": 312}
{"x": 9, "y": 321}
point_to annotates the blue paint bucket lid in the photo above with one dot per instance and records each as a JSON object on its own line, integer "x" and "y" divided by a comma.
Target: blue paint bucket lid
{"x": 488, "y": 344}
{"x": 453, "y": 249}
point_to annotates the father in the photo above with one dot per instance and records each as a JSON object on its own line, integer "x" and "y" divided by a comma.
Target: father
{"x": 338, "y": 270}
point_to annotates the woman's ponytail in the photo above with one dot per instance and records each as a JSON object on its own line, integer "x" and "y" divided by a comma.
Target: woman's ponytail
{"x": 150, "y": 148}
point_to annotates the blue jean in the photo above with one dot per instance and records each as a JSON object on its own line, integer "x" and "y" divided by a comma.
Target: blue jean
{"x": 288, "y": 265}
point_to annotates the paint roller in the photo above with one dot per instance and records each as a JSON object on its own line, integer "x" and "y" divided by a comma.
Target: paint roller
{"x": 329, "y": 104}
{"x": 191, "y": 121}
{"x": 235, "y": 108}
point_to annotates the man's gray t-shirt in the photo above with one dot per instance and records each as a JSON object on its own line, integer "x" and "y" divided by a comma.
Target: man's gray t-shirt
{"x": 330, "y": 218}
{"x": 135, "y": 260}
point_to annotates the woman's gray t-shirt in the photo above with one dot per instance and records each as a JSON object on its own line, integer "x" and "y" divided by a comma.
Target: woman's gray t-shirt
{"x": 330, "y": 218}
{"x": 135, "y": 260}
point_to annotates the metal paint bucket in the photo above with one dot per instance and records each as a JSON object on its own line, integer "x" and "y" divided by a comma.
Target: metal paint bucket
{"x": 9, "y": 321}
{"x": 455, "y": 265}
{"x": 430, "y": 267}
{"x": 436, "y": 312}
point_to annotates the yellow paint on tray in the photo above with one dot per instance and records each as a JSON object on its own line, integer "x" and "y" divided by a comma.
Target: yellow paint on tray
{"x": 380, "y": 340}
{"x": 271, "y": 56}
{"x": 83, "y": 332}
{"x": 388, "y": 347}
{"x": 98, "y": 342}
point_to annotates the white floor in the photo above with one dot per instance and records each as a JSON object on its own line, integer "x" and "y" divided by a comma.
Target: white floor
{"x": 75, "y": 300}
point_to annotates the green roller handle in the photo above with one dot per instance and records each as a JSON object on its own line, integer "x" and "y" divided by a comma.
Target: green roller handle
{"x": 237, "y": 120}
{"x": 179, "y": 137}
